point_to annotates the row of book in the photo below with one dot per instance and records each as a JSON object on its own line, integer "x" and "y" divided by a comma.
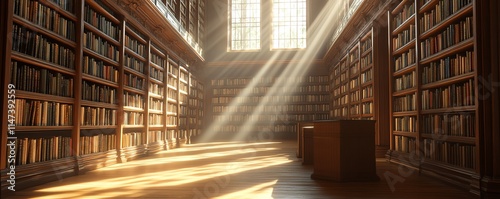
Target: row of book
{"x": 366, "y": 76}
{"x": 133, "y": 100}
{"x": 97, "y": 68}
{"x": 367, "y": 92}
{"x": 405, "y": 81}
{"x": 158, "y": 60}
{"x": 354, "y": 109}
{"x": 405, "y": 59}
{"x": 264, "y": 90}
{"x": 271, "y": 108}
{"x": 156, "y": 73}
{"x": 31, "y": 150}
{"x": 172, "y": 94}
{"x": 183, "y": 99}
{"x": 134, "y": 63}
{"x": 183, "y": 76}
{"x": 354, "y": 96}
{"x": 354, "y": 83}
{"x": 135, "y": 45}
{"x": 404, "y": 103}
{"x": 133, "y": 139}
{"x": 156, "y": 136}
{"x": 453, "y": 34}
{"x": 172, "y": 69}
{"x": 367, "y": 108}
{"x": 171, "y": 108}
{"x": 40, "y": 80}
{"x": 344, "y": 76}
{"x": 172, "y": 121}
{"x": 460, "y": 124}
{"x": 97, "y": 143}
{"x": 272, "y": 99}
{"x": 157, "y": 89}
{"x": 269, "y": 80}
{"x": 405, "y": 144}
{"x": 155, "y": 119}
{"x": 455, "y": 95}
{"x": 194, "y": 102}
{"x": 42, "y": 113}
{"x": 99, "y": 45}
{"x": 95, "y": 116}
{"x": 98, "y": 93}
{"x": 366, "y": 45}
{"x": 183, "y": 121}
{"x": 403, "y": 38}
{"x": 366, "y": 60}
{"x": 442, "y": 10}
{"x": 46, "y": 17}
{"x": 133, "y": 118}
{"x": 448, "y": 67}
{"x": 354, "y": 69}
{"x": 39, "y": 46}
{"x": 405, "y": 124}
{"x": 343, "y": 100}
{"x": 353, "y": 56}
{"x": 172, "y": 82}
{"x": 155, "y": 104}
{"x": 340, "y": 112}
{"x": 407, "y": 12}
{"x": 452, "y": 153}
{"x": 103, "y": 24}
{"x": 183, "y": 87}
{"x": 133, "y": 81}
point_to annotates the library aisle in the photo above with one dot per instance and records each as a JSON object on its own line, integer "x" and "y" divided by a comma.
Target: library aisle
{"x": 234, "y": 170}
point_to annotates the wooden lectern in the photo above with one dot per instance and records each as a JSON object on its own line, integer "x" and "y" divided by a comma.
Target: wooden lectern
{"x": 344, "y": 150}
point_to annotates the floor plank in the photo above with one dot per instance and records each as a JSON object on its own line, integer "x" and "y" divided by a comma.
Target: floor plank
{"x": 232, "y": 170}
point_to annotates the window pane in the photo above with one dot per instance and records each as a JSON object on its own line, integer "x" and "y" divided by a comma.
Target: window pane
{"x": 245, "y": 24}
{"x": 289, "y": 24}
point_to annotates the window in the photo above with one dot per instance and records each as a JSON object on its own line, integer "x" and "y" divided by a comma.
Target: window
{"x": 289, "y": 24}
{"x": 245, "y": 24}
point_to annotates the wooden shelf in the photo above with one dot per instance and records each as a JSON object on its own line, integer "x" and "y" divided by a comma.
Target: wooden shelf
{"x": 448, "y": 81}
{"x": 41, "y": 129}
{"x": 99, "y": 80}
{"x": 448, "y": 21}
{"x": 449, "y": 110}
{"x": 404, "y": 48}
{"x": 405, "y": 25}
{"x": 101, "y": 34}
{"x": 47, "y": 33}
{"x": 20, "y": 94}
{"x": 466, "y": 44}
{"x": 41, "y": 63}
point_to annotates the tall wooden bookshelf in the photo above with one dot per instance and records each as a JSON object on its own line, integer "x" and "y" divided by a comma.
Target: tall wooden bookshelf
{"x": 434, "y": 81}
{"x": 172, "y": 102}
{"x": 358, "y": 88}
{"x": 94, "y": 87}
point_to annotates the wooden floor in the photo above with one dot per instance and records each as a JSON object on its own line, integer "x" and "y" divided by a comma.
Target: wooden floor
{"x": 233, "y": 170}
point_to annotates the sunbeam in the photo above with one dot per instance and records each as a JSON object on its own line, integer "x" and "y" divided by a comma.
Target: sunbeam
{"x": 303, "y": 60}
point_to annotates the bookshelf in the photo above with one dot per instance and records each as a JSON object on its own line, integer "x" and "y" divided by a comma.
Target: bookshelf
{"x": 272, "y": 114}
{"x": 183, "y": 104}
{"x": 358, "y": 87}
{"x": 94, "y": 87}
{"x": 433, "y": 84}
{"x": 172, "y": 102}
